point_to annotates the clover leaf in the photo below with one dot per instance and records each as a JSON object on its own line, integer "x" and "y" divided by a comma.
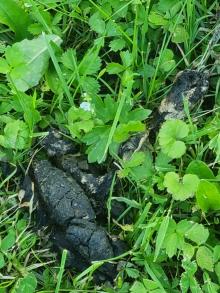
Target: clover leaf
{"x": 181, "y": 189}
{"x": 170, "y": 138}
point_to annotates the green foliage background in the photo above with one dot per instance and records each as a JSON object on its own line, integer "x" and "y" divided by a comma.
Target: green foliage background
{"x": 97, "y": 70}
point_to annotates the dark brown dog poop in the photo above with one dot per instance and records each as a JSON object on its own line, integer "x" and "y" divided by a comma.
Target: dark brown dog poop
{"x": 73, "y": 221}
{"x": 56, "y": 144}
{"x": 191, "y": 85}
{"x": 71, "y": 197}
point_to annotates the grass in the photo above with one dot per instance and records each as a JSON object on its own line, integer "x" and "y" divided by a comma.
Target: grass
{"x": 121, "y": 57}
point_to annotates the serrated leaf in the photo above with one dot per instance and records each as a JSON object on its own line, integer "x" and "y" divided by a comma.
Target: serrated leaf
{"x": 90, "y": 85}
{"x": 105, "y": 109}
{"x": 123, "y": 131}
{"x": 188, "y": 250}
{"x": 68, "y": 59}
{"x": 96, "y": 23}
{"x": 162, "y": 163}
{"x": 90, "y": 64}
{"x": 132, "y": 273}
{"x": 16, "y": 18}
{"x": 80, "y": 126}
{"x": 117, "y": 45}
{"x": 28, "y": 60}
{"x": 97, "y": 140}
{"x": 138, "y": 114}
{"x": 208, "y": 196}
{"x": 181, "y": 190}
{"x": 204, "y": 258}
{"x": 138, "y": 287}
{"x": 79, "y": 120}
{"x": 26, "y": 104}
{"x": 170, "y": 138}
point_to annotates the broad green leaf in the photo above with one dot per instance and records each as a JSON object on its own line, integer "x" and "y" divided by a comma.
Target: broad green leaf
{"x": 180, "y": 34}
{"x": 166, "y": 61}
{"x": 165, "y": 5}
{"x": 157, "y": 19}
{"x": 216, "y": 253}
{"x": 16, "y": 135}
{"x": 2, "y": 260}
{"x": 208, "y": 196}
{"x": 126, "y": 58}
{"x": 123, "y": 131}
{"x": 181, "y": 190}
{"x": 217, "y": 271}
{"x": 138, "y": 287}
{"x": 90, "y": 85}
{"x": 97, "y": 139}
{"x": 145, "y": 170}
{"x": 183, "y": 226}
{"x": 27, "y": 105}
{"x": 90, "y": 64}
{"x": 80, "y": 126}
{"x": 194, "y": 286}
{"x": 197, "y": 233}
{"x": 132, "y": 273}
{"x": 97, "y": 24}
{"x": 184, "y": 283}
{"x": 214, "y": 144}
{"x": 114, "y": 68}
{"x": 170, "y": 138}
{"x": 68, "y": 59}
{"x": 189, "y": 266}
{"x": 8, "y": 241}
{"x": 152, "y": 286}
{"x": 138, "y": 114}
{"x": 4, "y": 67}
{"x": 204, "y": 258}
{"x": 28, "y": 61}
{"x": 188, "y": 250}
{"x": 26, "y": 284}
{"x": 136, "y": 159}
{"x": 200, "y": 169}
{"x": 74, "y": 114}
{"x": 12, "y": 15}
{"x": 162, "y": 163}
{"x": 172, "y": 244}
{"x": 105, "y": 109}
{"x": 117, "y": 45}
